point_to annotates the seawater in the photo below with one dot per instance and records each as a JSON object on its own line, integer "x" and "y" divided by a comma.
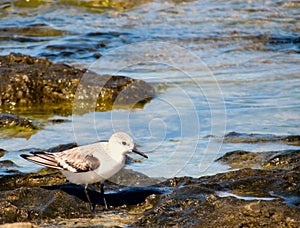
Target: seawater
{"x": 217, "y": 67}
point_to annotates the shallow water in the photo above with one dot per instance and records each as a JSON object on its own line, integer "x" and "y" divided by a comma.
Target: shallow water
{"x": 218, "y": 67}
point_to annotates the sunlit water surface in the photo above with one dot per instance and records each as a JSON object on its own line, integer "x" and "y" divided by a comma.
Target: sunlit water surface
{"x": 217, "y": 67}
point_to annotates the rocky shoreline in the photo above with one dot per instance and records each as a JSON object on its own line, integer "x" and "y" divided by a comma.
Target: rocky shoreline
{"x": 255, "y": 195}
{"x": 259, "y": 189}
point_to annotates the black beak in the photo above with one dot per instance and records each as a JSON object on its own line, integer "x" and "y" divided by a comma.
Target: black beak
{"x": 139, "y": 152}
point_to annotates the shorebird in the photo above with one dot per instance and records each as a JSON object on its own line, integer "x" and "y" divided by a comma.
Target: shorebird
{"x": 91, "y": 163}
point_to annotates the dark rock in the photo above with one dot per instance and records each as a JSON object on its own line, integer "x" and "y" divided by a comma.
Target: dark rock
{"x": 255, "y": 198}
{"x": 2, "y": 152}
{"x": 62, "y": 147}
{"x": 11, "y": 120}
{"x": 15, "y": 126}
{"x": 58, "y": 121}
{"x": 46, "y": 199}
{"x": 45, "y": 177}
{"x": 285, "y": 159}
{"x": 247, "y": 197}
{"x": 235, "y": 137}
{"x": 31, "y": 82}
{"x": 220, "y": 212}
{"x": 242, "y": 159}
{"x": 6, "y": 164}
{"x": 197, "y": 202}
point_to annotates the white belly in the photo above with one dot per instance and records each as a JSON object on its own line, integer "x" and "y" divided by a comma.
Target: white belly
{"x": 107, "y": 169}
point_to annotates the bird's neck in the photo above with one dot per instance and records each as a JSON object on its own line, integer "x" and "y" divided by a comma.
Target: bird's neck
{"x": 116, "y": 153}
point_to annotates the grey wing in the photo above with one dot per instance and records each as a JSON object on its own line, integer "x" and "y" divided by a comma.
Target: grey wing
{"x": 72, "y": 160}
{"x": 75, "y": 161}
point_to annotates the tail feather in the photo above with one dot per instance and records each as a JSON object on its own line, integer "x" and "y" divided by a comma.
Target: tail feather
{"x": 43, "y": 159}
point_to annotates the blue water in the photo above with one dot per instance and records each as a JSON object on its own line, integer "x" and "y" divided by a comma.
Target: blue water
{"x": 217, "y": 67}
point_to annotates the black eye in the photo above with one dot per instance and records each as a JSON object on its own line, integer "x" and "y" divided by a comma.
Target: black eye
{"x": 124, "y": 143}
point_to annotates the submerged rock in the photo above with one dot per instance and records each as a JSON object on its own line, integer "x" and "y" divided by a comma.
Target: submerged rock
{"x": 29, "y": 82}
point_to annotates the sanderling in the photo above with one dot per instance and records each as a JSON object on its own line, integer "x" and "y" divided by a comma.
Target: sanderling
{"x": 89, "y": 164}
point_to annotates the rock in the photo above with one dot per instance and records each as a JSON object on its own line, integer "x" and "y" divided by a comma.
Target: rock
{"x": 246, "y": 197}
{"x": 29, "y": 82}
{"x": 2, "y": 152}
{"x": 220, "y": 212}
{"x": 235, "y": 137}
{"x": 8, "y": 167}
{"x": 242, "y": 159}
{"x": 15, "y": 126}
{"x": 11, "y": 120}
{"x": 19, "y": 225}
{"x": 285, "y": 159}
{"x": 45, "y": 199}
{"x": 106, "y": 92}
{"x": 198, "y": 202}
{"x": 268, "y": 196}
{"x": 62, "y": 147}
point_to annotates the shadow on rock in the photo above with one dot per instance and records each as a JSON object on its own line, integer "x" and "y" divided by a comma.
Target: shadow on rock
{"x": 131, "y": 196}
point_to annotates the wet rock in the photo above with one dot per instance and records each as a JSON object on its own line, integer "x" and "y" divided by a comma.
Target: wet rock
{"x": 198, "y": 202}
{"x": 247, "y": 197}
{"x": 242, "y": 159}
{"x": 285, "y": 159}
{"x": 46, "y": 199}
{"x": 11, "y": 120}
{"x": 29, "y": 82}
{"x": 106, "y": 92}
{"x": 62, "y": 147}
{"x": 8, "y": 166}
{"x": 45, "y": 177}
{"x": 220, "y": 212}
{"x": 2, "y": 152}
{"x": 58, "y": 121}
{"x": 235, "y": 137}
{"x": 15, "y": 126}
{"x": 255, "y": 198}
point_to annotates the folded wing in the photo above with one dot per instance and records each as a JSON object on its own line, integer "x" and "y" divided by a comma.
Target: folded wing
{"x": 71, "y": 160}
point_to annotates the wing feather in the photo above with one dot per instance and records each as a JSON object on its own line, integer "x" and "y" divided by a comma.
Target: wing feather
{"x": 72, "y": 160}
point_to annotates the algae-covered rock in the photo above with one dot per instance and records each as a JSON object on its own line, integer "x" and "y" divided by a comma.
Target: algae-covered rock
{"x": 285, "y": 159}
{"x": 29, "y": 82}
{"x": 15, "y": 126}
{"x": 11, "y": 120}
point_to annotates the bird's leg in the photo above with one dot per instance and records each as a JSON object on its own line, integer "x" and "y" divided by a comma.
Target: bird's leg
{"x": 103, "y": 196}
{"x": 88, "y": 198}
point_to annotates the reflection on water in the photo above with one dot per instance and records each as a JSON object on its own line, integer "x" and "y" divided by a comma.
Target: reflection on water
{"x": 251, "y": 49}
